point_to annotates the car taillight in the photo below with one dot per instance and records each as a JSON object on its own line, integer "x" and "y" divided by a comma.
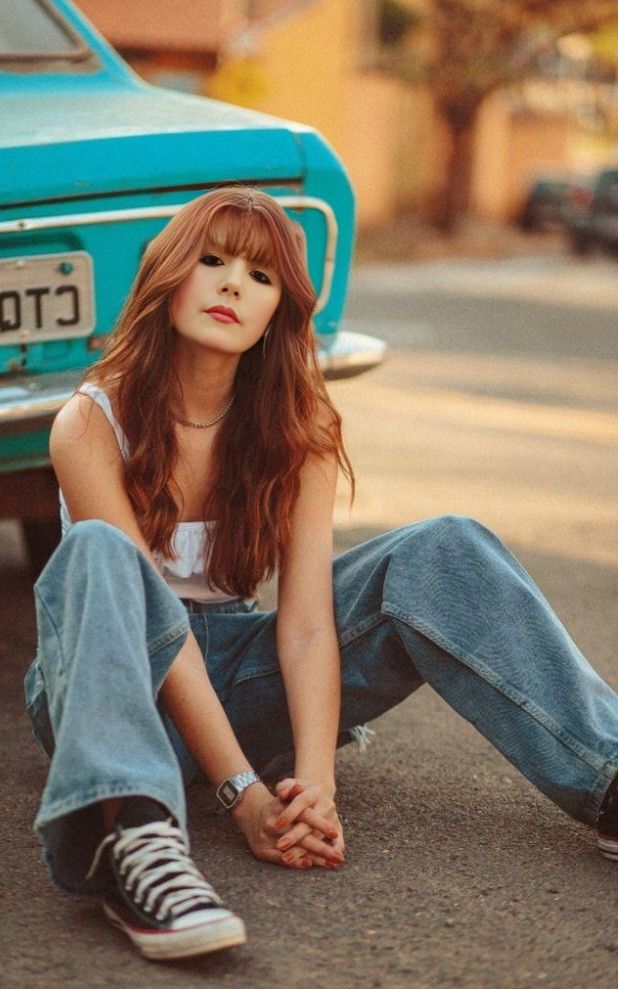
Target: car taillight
{"x": 580, "y": 198}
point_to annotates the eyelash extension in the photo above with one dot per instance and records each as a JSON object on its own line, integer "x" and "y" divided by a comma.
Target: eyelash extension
{"x": 204, "y": 256}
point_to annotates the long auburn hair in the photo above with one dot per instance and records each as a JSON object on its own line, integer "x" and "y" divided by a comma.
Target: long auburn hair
{"x": 277, "y": 418}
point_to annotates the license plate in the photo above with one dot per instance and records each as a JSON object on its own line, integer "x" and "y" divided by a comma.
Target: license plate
{"x": 46, "y": 297}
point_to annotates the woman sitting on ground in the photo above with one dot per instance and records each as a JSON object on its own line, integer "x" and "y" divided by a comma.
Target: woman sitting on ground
{"x": 198, "y": 457}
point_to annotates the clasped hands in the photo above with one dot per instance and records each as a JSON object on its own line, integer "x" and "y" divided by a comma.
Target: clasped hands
{"x": 298, "y": 828}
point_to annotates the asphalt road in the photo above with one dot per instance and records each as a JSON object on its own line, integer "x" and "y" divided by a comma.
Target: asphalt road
{"x": 499, "y": 400}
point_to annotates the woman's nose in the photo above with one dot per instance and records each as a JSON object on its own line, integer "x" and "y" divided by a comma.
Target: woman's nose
{"x": 232, "y": 279}
{"x": 231, "y": 283}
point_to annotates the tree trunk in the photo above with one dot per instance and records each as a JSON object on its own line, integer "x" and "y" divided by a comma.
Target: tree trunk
{"x": 453, "y": 199}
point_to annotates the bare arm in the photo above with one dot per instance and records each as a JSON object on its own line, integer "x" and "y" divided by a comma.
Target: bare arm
{"x": 306, "y": 634}
{"x": 88, "y": 464}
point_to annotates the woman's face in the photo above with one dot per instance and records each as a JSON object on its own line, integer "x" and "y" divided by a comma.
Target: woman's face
{"x": 251, "y": 291}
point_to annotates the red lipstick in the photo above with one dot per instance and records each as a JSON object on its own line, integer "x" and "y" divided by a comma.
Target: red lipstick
{"x": 223, "y": 311}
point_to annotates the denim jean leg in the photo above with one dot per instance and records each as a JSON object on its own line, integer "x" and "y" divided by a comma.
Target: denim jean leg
{"x": 479, "y": 630}
{"x": 109, "y": 628}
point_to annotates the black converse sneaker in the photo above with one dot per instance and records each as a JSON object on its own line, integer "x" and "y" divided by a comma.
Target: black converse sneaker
{"x": 607, "y": 823}
{"x": 162, "y": 901}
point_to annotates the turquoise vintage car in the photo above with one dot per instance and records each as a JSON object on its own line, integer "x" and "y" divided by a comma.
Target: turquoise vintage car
{"x": 93, "y": 162}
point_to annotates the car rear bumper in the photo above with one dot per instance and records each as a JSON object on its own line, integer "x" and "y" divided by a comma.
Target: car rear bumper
{"x": 30, "y": 402}
{"x": 351, "y": 354}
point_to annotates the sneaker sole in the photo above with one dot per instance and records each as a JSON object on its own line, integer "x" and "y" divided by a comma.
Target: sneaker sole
{"x": 608, "y": 847}
{"x": 215, "y": 936}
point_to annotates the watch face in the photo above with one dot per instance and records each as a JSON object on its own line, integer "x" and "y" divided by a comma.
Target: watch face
{"x": 228, "y": 793}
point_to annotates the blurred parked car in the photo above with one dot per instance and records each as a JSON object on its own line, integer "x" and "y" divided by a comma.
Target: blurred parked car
{"x": 591, "y": 213}
{"x": 542, "y": 208}
{"x": 93, "y": 162}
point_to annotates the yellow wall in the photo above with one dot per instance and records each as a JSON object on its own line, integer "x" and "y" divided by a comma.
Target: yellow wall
{"x": 305, "y": 69}
{"x": 307, "y": 61}
{"x": 491, "y": 164}
{"x": 370, "y": 144}
{"x": 511, "y": 150}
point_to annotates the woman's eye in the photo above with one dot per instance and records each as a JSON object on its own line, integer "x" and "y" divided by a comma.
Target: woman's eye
{"x": 264, "y": 276}
{"x": 209, "y": 258}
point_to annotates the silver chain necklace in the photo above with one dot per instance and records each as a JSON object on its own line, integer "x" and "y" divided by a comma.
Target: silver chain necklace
{"x": 202, "y": 425}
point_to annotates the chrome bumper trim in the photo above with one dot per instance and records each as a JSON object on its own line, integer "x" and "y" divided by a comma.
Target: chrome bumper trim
{"x": 33, "y": 400}
{"x": 351, "y": 354}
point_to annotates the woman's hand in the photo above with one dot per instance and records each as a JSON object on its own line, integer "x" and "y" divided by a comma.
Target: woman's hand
{"x": 256, "y": 815}
{"x": 306, "y": 803}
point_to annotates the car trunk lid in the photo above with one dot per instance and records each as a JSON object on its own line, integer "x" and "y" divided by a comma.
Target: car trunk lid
{"x": 119, "y": 141}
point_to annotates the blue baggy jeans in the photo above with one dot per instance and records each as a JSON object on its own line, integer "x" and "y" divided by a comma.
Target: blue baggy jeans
{"x": 441, "y": 601}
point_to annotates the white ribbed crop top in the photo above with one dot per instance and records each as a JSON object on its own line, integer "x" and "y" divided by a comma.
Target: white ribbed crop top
{"x": 190, "y": 540}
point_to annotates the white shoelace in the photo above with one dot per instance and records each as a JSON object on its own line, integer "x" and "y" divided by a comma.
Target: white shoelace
{"x": 363, "y": 735}
{"x": 138, "y": 849}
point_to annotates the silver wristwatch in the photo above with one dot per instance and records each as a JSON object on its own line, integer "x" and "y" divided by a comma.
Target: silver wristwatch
{"x": 230, "y": 791}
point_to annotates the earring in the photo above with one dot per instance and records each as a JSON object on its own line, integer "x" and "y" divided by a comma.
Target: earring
{"x": 267, "y": 331}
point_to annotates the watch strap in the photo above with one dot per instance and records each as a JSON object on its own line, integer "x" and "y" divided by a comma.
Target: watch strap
{"x": 230, "y": 790}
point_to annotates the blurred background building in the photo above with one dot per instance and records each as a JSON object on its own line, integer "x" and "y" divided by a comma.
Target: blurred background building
{"x": 430, "y": 115}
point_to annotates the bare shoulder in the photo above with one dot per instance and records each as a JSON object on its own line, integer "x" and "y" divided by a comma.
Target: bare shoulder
{"x": 89, "y": 467}
{"x": 82, "y": 424}
{"x": 85, "y": 454}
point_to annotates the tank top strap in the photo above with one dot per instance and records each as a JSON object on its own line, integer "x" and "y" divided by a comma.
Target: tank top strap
{"x": 98, "y": 395}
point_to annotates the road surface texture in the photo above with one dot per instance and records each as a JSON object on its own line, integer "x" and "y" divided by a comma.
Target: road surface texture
{"x": 499, "y": 401}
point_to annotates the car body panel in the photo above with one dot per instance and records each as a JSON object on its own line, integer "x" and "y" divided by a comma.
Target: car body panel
{"x": 544, "y": 203}
{"x": 94, "y": 160}
{"x": 591, "y": 215}
{"x": 121, "y": 143}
